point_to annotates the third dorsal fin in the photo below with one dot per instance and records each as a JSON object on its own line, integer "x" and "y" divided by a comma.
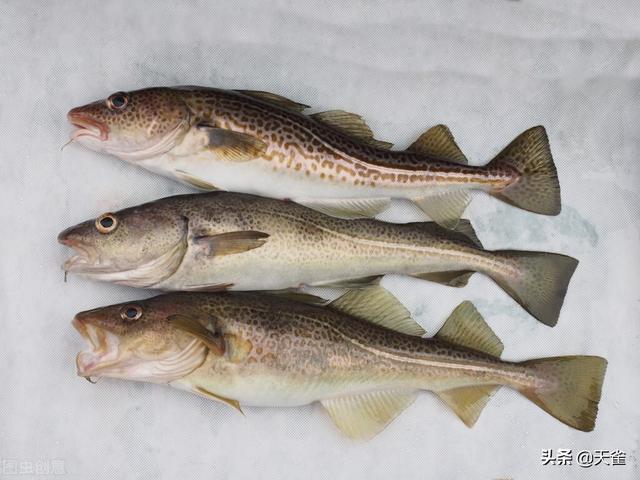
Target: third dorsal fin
{"x": 466, "y": 327}
{"x": 377, "y": 305}
{"x": 439, "y": 142}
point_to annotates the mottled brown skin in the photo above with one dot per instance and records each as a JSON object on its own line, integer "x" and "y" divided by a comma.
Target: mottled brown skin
{"x": 274, "y": 337}
{"x": 329, "y": 153}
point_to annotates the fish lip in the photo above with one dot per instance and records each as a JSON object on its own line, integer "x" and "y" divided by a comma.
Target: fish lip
{"x": 102, "y": 349}
{"x": 87, "y": 126}
{"x": 84, "y": 257}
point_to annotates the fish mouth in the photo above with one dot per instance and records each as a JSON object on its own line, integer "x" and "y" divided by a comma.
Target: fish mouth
{"x": 102, "y": 353}
{"x": 84, "y": 261}
{"x": 87, "y": 127}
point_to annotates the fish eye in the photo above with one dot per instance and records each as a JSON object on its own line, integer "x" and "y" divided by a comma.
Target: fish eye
{"x": 106, "y": 223}
{"x": 117, "y": 101}
{"x": 131, "y": 312}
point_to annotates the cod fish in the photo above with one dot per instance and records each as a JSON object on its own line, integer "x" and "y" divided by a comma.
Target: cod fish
{"x": 362, "y": 357}
{"x": 232, "y": 241}
{"x": 260, "y": 143}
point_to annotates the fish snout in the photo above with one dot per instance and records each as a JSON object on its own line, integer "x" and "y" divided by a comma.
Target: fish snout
{"x": 86, "y": 124}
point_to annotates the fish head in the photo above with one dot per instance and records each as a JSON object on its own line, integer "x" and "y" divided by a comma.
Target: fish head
{"x": 137, "y": 341}
{"x": 138, "y": 246}
{"x": 132, "y": 125}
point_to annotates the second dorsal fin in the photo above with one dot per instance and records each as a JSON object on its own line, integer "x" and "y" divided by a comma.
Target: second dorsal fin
{"x": 350, "y": 124}
{"x": 377, "y": 305}
{"x": 466, "y": 327}
{"x": 439, "y": 142}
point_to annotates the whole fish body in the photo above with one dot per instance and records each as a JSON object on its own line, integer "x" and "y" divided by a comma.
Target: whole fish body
{"x": 234, "y": 241}
{"x": 361, "y": 357}
{"x": 260, "y": 143}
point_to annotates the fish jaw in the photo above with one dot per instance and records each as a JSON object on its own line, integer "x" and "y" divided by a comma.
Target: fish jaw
{"x": 107, "y": 356}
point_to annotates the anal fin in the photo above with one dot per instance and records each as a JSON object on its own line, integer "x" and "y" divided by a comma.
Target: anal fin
{"x": 364, "y": 416}
{"x": 468, "y": 402}
{"x": 457, "y": 278}
{"x": 445, "y": 208}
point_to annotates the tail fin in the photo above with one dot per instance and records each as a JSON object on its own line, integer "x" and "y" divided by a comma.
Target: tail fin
{"x": 570, "y": 388}
{"x": 539, "y": 283}
{"x": 537, "y": 188}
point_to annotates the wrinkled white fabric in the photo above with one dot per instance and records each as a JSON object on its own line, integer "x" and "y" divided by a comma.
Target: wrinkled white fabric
{"x": 487, "y": 69}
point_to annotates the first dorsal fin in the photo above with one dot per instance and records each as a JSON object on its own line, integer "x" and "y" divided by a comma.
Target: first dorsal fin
{"x": 363, "y": 416}
{"x": 466, "y": 327}
{"x": 377, "y": 305}
{"x": 278, "y": 100}
{"x": 439, "y": 142}
{"x": 350, "y": 124}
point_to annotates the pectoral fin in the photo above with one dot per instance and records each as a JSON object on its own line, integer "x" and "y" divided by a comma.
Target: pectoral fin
{"x": 363, "y": 416}
{"x": 445, "y": 208}
{"x": 193, "y": 326}
{"x": 377, "y": 305}
{"x": 233, "y": 146}
{"x": 347, "y": 208}
{"x": 230, "y": 243}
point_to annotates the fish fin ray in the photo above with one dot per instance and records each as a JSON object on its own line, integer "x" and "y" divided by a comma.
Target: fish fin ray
{"x": 230, "y": 243}
{"x": 468, "y": 402}
{"x": 541, "y": 283}
{"x": 355, "y": 283}
{"x": 233, "y": 146}
{"x": 466, "y": 327}
{"x": 457, "y": 278}
{"x": 275, "y": 99}
{"x": 574, "y": 393}
{"x": 445, "y": 208}
{"x": 347, "y": 208}
{"x": 350, "y": 124}
{"x": 218, "y": 398}
{"x": 377, "y": 305}
{"x": 438, "y": 141}
{"x": 193, "y": 326}
{"x": 195, "y": 181}
{"x": 364, "y": 416}
{"x": 208, "y": 287}
{"x": 537, "y": 188}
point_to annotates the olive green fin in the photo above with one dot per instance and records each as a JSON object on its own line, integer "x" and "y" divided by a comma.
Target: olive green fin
{"x": 361, "y": 282}
{"x": 193, "y": 326}
{"x": 573, "y": 392}
{"x": 468, "y": 402}
{"x": 539, "y": 283}
{"x": 463, "y": 232}
{"x": 445, "y": 208}
{"x": 466, "y": 327}
{"x": 439, "y": 142}
{"x": 458, "y": 278}
{"x": 194, "y": 181}
{"x": 229, "y": 401}
{"x": 298, "y": 296}
{"x": 208, "y": 287}
{"x": 364, "y": 416}
{"x": 230, "y": 243}
{"x": 350, "y": 124}
{"x": 233, "y": 146}
{"x": 377, "y": 305}
{"x": 278, "y": 100}
{"x": 537, "y": 188}
{"x": 347, "y": 208}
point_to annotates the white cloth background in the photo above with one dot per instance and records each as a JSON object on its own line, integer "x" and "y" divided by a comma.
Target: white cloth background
{"x": 489, "y": 69}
